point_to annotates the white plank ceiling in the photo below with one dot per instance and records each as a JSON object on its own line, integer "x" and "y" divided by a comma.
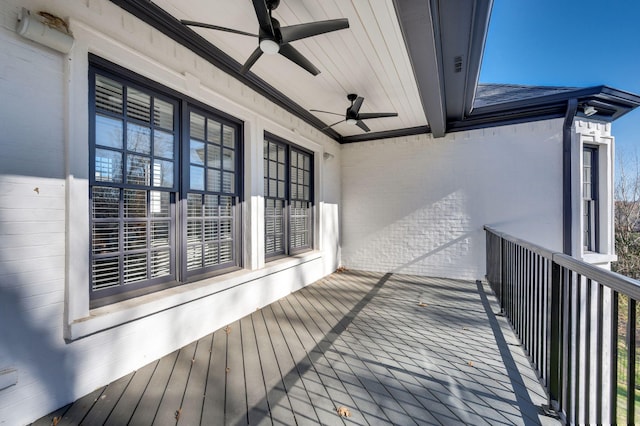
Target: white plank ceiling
{"x": 369, "y": 58}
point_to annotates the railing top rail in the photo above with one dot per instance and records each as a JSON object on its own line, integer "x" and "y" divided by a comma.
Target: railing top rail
{"x": 617, "y": 282}
{"x": 542, "y": 251}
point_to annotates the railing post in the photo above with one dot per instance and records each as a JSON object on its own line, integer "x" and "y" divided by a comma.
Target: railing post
{"x": 554, "y": 333}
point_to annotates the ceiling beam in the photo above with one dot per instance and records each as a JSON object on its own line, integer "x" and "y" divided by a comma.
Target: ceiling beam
{"x": 421, "y": 34}
{"x": 445, "y": 40}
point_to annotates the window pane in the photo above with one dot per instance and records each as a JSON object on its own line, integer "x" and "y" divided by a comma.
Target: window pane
{"x": 194, "y": 257}
{"x": 163, "y": 173}
{"x": 135, "y": 203}
{"x": 194, "y": 205}
{"x": 105, "y": 238}
{"x": 135, "y": 235}
{"x": 105, "y": 273}
{"x": 226, "y": 206}
{"x": 108, "y": 95}
{"x": 229, "y": 136}
{"x": 226, "y": 252}
{"x": 160, "y": 234}
{"x": 160, "y": 204}
{"x": 225, "y": 229}
{"x": 196, "y": 180}
{"x": 197, "y": 126}
{"x": 213, "y": 180}
{"x": 213, "y": 131}
{"x": 211, "y": 254}
{"x": 162, "y": 114}
{"x": 163, "y": 144}
{"x": 228, "y": 160}
{"x": 196, "y": 152}
{"x": 228, "y": 182}
{"x": 138, "y": 170}
{"x": 160, "y": 263}
{"x": 135, "y": 267}
{"x": 211, "y": 230}
{"x": 139, "y": 139}
{"x": 213, "y": 156}
{"x": 106, "y": 202}
{"x": 108, "y": 132}
{"x": 108, "y": 166}
{"x": 138, "y": 105}
{"x": 211, "y": 205}
{"x": 194, "y": 231}
{"x": 281, "y": 189}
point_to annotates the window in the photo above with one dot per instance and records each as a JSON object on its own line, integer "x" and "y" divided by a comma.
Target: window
{"x": 288, "y": 193}
{"x": 142, "y": 172}
{"x": 590, "y": 198}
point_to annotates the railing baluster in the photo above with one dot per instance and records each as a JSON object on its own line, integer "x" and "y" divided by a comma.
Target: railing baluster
{"x": 631, "y": 359}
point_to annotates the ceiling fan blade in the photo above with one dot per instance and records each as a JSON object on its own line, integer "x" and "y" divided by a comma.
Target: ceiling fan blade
{"x": 297, "y": 32}
{"x": 252, "y": 60}
{"x": 263, "y": 15}
{"x": 357, "y": 104}
{"x": 293, "y": 55}
{"x": 367, "y": 115}
{"x": 331, "y": 125}
{"x": 326, "y": 112}
{"x": 215, "y": 27}
{"x": 363, "y": 126}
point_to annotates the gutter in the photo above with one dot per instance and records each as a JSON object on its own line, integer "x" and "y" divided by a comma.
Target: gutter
{"x": 567, "y": 210}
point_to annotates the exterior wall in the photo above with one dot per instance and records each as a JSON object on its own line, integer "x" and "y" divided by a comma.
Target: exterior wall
{"x": 53, "y": 348}
{"x": 418, "y": 205}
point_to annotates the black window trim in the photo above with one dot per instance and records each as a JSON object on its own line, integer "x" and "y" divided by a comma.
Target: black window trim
{"x": 289, "y": 146}
{"x": 183, "y": 104}
{"x": 593, "y": 245}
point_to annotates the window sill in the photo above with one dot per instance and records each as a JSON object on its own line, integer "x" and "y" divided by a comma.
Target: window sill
{"x": 598, "y": 258}
{"x": 120, "y": 313}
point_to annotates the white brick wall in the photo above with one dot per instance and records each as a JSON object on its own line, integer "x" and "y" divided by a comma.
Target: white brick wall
{"x": 418, "y": 205}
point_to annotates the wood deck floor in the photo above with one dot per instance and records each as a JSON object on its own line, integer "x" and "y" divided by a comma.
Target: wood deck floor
{"x": 388, "y": 349}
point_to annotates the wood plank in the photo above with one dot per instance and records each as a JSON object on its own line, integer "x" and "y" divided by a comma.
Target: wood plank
{"x": 49, "y": 419}
{"x": 213, "y": 408}
{"x": 148, "y": 407}
{"x": 236, "y": 393}
{"x": 193, "y": 400}
{"x": 124, "y": 409}
{"x": 302, "y": 408}
{"x": 107, "y": 401}
{"x": 171, "y": 404}
{"x": 257, "y": 406}
{"x": 80, "y": 408}
{"x": 323, "y": 405}
{"x": 281, "y": 412}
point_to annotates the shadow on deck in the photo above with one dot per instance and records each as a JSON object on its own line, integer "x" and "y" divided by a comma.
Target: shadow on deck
{"x": 379, "y": 349}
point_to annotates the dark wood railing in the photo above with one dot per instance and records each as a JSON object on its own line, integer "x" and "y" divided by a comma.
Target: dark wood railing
{"x": 578, "y": 323}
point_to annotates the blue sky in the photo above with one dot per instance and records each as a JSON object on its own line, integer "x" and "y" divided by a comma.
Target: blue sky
{"x": 577, "y": 43}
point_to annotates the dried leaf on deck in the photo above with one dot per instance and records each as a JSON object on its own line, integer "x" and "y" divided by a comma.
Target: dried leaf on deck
{"x": 470, "y": 363}
{"x": 422, "y": 305}
{"x": 178, "y": 412}
{"x": 343, "y": 412}
{"x": 227, "y": 329}
{"x": 227, "y": 370}
{"x": 56, "y": 420}
{"x": 341, "y": 269}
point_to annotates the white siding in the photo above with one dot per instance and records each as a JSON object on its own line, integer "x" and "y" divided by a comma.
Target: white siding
{"x": 44, "y": 213}
{"x": 417, "y": 205}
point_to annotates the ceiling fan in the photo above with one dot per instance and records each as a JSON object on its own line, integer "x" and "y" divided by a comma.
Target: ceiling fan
{"x": 275, "y": 39}
{"x": 352, "y": 116}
